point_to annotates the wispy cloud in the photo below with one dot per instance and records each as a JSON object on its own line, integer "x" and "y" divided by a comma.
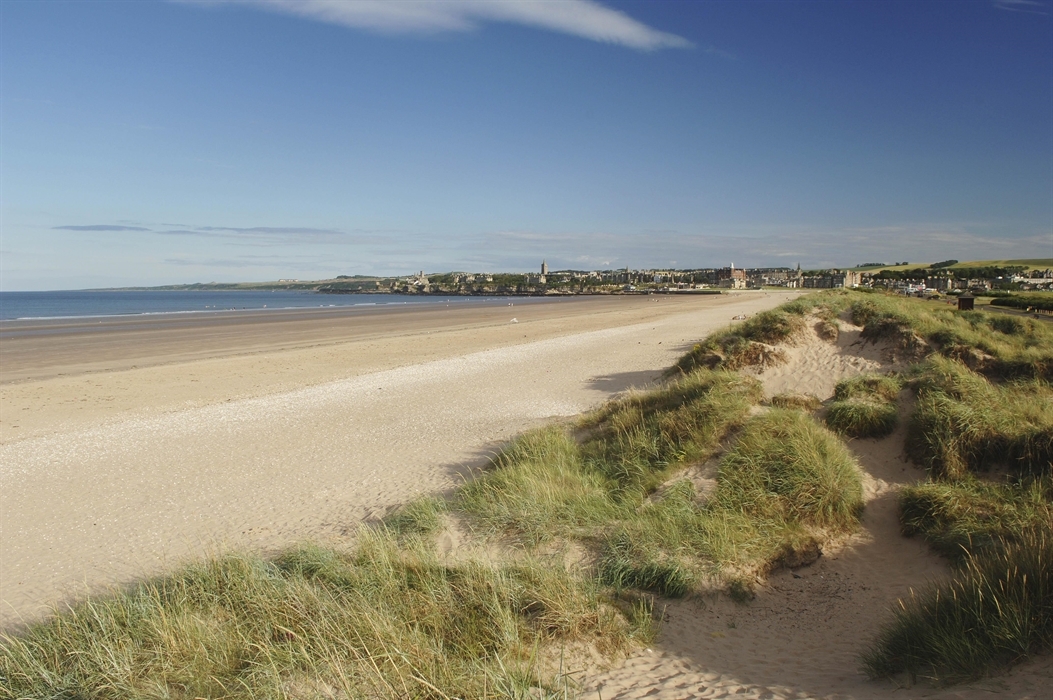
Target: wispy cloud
{"x": 1030, "y": 6}
{"x": 587, "y": 19}
{"x": 101, "y": 227}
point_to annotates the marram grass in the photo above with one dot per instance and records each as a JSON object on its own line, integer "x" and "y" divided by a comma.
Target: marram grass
{"x": 785, "y": 485}
{"x": 860, "y": 418}
{"x": 970, "y": 515}
{"x": 996, "y": 345}
{"x": 962, "y": 422}
{"x": 997, "y": 610}
{"x": 802, "y": 402}
{"x": 386, "y": 621}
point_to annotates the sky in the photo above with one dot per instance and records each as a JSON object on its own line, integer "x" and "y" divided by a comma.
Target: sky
{"x": 149, "y": 143}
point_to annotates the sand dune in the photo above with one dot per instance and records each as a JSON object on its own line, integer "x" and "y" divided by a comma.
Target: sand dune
{"x": 802, "y": 636}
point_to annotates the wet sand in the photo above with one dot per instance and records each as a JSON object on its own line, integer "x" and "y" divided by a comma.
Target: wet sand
{"x": 131, "y": 444}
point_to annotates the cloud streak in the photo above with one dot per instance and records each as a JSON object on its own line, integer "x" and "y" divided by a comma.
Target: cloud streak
{"x": 1029, "y": 6}
{"x": 100, "y": 227}
{"x": 587, "y": 19}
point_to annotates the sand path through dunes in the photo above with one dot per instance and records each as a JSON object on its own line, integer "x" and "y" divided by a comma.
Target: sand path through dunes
{"x": 803, "y": 634}
{"x": 107, "y": 496}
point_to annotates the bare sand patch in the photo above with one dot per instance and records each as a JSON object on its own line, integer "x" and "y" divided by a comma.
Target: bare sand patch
{"x": 814, "y": 364}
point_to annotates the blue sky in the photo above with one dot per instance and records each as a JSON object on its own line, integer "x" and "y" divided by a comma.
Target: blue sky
{"x": 163, "y": 142}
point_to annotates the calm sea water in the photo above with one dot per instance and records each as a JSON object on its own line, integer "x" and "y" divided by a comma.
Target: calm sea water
{"x": 73, "y": 304}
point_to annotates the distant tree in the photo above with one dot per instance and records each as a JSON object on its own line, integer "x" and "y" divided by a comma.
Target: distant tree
{"x": 945, "y": 263}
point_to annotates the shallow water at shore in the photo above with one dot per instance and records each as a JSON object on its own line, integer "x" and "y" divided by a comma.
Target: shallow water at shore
{"x": 37, "y": 306}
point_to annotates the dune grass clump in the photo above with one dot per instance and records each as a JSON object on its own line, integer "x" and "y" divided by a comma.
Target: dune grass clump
{"x": 539, "y": 488}
{"x": 878, "y": 387}
{"x": 970, "y": 515}
{"x": 828, "y": 330}
{"x": 963, "y": 422}
{"x": 636, "y": 440}
{"x": 785, "y": 485}
{"x": 385, "y": 621}
{"x": 418, "y": 518}
{"x": 545, "y": 485}
{"x": 745, "y": 345}
{"x": 787, "y": 467}
{"x": 862, "y": 419}
{"x": 865, "y": 407}
{"x": 749, "y": 344}
{"x": 996, "y": 611}
{"x": 802, "y": 402}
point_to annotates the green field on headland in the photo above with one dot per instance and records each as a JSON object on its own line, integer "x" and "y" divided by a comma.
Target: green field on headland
{"x": 1027, "y": 264}
{"x": 576, "y": 532}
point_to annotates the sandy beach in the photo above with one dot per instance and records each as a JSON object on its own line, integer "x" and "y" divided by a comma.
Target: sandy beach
{"x": 129, "y": 448}
{"x": 129, "y": 445}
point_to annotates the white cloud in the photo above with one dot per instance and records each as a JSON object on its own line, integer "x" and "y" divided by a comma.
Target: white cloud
{"x": 584, "y": 18}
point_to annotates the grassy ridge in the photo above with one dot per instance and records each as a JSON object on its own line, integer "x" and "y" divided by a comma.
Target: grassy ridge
{"x": 971, "y": 515}
{"x": 389, "y": 621}
{"x": 545, "y": 484}
{"x": 999, "y": 346}
{"x": 964, "y": 423}
{"x": 748, "y": 343}
{"x": 785, "y": 486}
{"x": 983, "y": 404}
{"x": 1025, "y": 301}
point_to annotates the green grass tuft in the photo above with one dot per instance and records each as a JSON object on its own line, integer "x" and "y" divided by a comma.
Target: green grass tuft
{"x": 418, "y": 518}
{"x": 860, "y": 418}
{"x": 802, "y": 402}
{"x": 970, "y": 515}
{"x": 539, "y": 488}
{"x": 745, "y": 345}
{"x": 869, "y": 386}
{"x": 787, "y": 467}
{"x": 785, "y": 485}
{"x": 963, "y": 422}
{"x": 636, "y": 440}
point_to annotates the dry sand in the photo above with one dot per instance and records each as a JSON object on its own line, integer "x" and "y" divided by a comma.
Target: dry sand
{"x": 126, "y": 446}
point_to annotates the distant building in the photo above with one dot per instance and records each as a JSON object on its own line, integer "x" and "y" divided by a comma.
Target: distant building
{"x": 730, "y": 273}
{"x": 734, "y": 282}
{"x": 544, "y": 267}
{"x": 833, "y": 279}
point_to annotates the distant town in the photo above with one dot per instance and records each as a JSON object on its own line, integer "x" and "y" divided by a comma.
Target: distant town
{"x": 947, "y": 277}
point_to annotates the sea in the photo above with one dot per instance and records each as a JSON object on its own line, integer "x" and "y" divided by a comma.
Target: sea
{"x": 107, "y": 303}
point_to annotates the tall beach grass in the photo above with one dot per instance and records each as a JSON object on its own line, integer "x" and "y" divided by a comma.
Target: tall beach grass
{"x": 997, "y": 610}
{"x": 384, "y": 621}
